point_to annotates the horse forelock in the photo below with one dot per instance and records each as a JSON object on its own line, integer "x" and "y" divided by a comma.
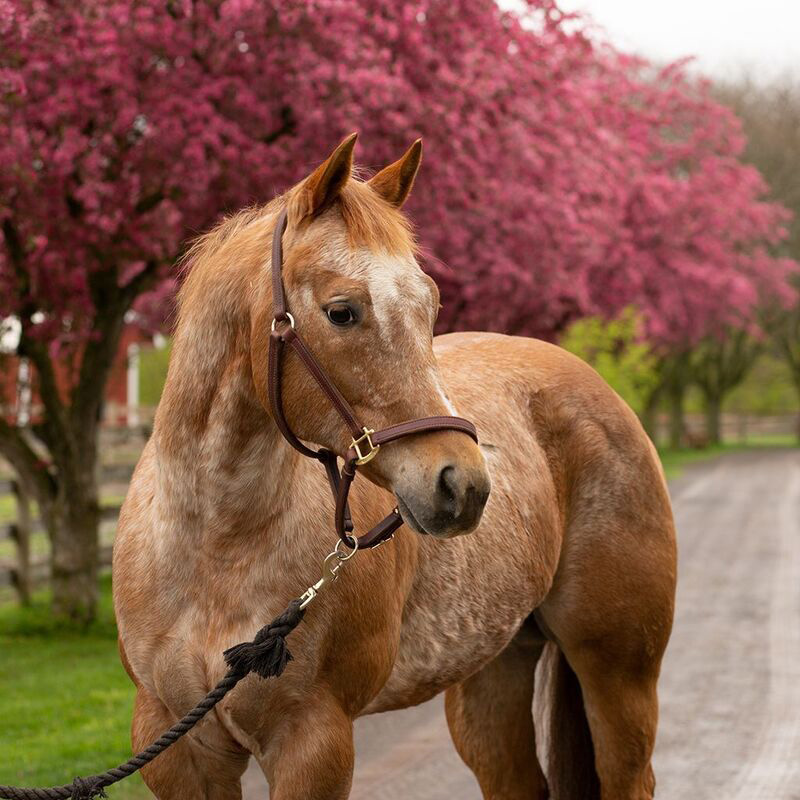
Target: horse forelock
{"x": 243, "y": 239}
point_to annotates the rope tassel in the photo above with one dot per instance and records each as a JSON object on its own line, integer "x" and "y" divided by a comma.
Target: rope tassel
{"x": 87, "y": 788}
{"x": 267, "y": 655}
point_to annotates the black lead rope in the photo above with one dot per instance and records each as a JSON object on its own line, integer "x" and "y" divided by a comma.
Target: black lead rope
{"x": 266, "y": 655}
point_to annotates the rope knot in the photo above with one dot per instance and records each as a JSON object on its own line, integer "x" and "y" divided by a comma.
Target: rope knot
{"x": 87, "y": 788}
{"x": 267, "y": 655}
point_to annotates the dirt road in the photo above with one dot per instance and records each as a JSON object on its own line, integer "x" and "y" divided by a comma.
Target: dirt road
{"x": 730, "y": 687}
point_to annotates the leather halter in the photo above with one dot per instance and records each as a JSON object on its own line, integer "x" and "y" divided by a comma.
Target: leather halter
{"x": 365, "y": 443}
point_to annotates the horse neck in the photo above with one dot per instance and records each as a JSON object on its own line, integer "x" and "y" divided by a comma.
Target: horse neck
{"x": 223, "y": 467}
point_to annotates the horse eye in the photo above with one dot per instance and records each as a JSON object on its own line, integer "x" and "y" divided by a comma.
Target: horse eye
{"x": 341, "y": 315}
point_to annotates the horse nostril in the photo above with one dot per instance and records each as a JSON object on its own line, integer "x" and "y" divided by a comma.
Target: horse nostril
{"x": 447, "y": 486}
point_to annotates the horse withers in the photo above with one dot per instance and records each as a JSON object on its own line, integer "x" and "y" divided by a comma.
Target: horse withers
{"x": 572, "y": 559}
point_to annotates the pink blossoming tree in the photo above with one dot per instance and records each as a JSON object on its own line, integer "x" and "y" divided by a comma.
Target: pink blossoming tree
{"x": 561, "y": 179}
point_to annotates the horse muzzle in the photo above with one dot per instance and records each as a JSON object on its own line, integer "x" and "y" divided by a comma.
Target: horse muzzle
{"x": 452, "y": 506}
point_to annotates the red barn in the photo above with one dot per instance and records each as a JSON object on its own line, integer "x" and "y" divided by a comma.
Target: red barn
{"x": 19, "y": 400}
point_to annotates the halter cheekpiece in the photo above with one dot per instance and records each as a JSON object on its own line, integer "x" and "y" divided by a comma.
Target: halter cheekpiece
{"x": 365, "y": 443}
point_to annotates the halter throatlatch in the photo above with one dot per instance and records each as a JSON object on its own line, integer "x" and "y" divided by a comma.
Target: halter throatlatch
{"x": 365, "y": 443}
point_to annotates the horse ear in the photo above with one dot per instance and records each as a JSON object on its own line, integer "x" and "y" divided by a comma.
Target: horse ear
{"x": 393, "y": 183}
{"x": 323, "y": 185}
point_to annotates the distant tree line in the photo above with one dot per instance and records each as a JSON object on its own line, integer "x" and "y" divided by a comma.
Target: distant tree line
{"x": 655, "y": 373}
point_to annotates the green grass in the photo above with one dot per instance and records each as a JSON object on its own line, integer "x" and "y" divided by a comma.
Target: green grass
{"x": 152, "y": 373}
{"x": 8, "y": 509}
{"x": 675, "y": 461}
{"x": 65, "y": 700}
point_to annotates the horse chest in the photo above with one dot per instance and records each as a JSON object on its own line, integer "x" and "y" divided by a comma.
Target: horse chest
{"x": 460, "y": 614}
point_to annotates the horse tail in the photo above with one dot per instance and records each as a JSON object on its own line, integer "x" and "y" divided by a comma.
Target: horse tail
{"x": 571, "y": 773}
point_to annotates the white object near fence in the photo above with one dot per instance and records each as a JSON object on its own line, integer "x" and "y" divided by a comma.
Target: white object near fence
{"x": 133, "y": 386}
{"x": 24, "y": 393}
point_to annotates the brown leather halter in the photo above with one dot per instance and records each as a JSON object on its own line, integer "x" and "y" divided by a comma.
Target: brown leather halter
{"x": 365, "y": 443}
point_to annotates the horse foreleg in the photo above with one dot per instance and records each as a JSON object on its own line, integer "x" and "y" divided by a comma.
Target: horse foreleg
{"x": 310, "y": 754}
{"x": 491, "y": 721}
{"x": 206, "y": 764}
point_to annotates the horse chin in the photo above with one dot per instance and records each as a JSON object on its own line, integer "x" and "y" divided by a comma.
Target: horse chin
{"x": 420, "y": 524}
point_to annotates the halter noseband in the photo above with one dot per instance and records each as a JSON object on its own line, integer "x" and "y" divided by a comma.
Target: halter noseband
{"x": 365, "y": 443}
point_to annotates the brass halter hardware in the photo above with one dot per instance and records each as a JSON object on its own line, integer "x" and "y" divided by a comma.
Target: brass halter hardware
{"x": 357, "y": 444}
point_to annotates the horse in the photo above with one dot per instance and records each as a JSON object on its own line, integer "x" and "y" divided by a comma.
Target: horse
{"x": 550, "y": 543}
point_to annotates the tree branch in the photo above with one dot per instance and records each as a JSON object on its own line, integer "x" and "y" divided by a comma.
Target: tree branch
{"x": 287, "y": 126}
{"x": 25, "y": 460}
{"x": 96, "y": 363}
{"x": 111, "y": 304}
{"x": 141, "y": 282}
{"x": 148, "y": 203}
{"x": 55, "y": 412}
{"x": 31, "y": 347}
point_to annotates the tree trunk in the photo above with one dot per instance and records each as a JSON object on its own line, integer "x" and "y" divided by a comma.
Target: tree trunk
{"x": 73, "y": 523}
{"x": 73, "y": 530}
{"x": 66, "y": 487}
{"x": 649, "y": 415}
{"x": 713, "y": 411}
{"x": 677, "y": 426}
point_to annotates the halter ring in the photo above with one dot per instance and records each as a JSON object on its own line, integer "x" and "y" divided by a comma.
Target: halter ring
{"x": 289, "y": 319}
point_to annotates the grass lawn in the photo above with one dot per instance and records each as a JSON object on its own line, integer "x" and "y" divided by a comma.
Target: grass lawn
{"x": 65, "y": 700}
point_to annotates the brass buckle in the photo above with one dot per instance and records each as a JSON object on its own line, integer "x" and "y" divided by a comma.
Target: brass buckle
{"x": 356, "y": 444}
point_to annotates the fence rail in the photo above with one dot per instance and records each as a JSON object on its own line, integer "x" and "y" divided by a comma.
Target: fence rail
{"x": 37, "y": 526}
{"x": 26, "y": 573}
{"x": 109, "y": 473}
{"x": 38, "y": 573}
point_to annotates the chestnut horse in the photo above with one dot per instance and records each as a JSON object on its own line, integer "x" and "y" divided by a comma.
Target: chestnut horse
{"x": 573, "y": 555}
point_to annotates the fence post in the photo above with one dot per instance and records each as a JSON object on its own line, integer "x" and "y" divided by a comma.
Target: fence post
{"x": 20, "y": 532}
{"x": 132, "y": 393}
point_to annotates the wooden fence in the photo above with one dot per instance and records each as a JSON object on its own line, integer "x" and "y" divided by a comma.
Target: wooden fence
{"x": 25, "y": 572}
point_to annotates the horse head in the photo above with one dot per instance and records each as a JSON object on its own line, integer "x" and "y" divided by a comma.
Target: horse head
{"x": 367, "y": 310}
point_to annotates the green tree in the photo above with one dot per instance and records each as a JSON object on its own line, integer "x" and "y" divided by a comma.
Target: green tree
{"x": 615, "y": 349}
{"x": 717, "y": 366}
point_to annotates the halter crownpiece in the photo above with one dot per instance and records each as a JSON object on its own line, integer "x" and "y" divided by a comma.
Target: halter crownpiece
{"x": 365, "y": 443}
